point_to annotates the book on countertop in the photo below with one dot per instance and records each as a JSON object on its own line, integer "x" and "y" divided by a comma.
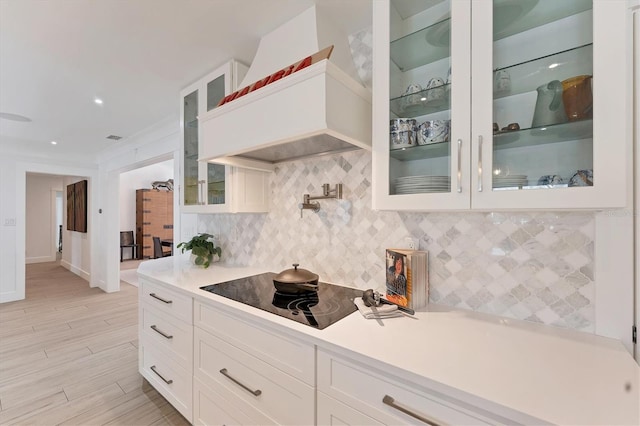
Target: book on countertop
{"x": 407, "y": 279}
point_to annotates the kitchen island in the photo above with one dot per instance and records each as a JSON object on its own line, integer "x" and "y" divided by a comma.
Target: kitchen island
{"x": 447, "y": 364}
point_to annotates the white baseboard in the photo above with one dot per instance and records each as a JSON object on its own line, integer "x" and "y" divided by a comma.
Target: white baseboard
{"x": 129, "y": 276}
{"x": 79, "y": 272}
{"x": 39, "y": 259}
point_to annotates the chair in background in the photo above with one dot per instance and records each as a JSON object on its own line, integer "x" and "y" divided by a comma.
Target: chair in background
{"x": 158, "y": 251}
{"x": 126, "y": 241}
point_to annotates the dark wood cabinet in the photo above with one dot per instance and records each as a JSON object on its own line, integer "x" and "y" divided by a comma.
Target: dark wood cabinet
{"x": 154, "y": 218}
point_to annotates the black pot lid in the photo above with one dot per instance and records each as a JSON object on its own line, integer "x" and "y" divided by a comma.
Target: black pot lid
{"x": 296, "y": 276}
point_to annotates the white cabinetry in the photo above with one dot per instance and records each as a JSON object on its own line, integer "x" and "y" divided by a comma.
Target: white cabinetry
{"x": 251, "y": 374}
{"x": 207, "y": 187}
{"x": 350, "y": 392}
{"x": 166, "y": 343}
{"x": 333, "y": 412}
{"x": 524, "y": 72}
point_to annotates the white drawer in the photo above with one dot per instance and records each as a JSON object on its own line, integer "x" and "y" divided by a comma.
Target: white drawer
{"x": 172, "y": 334}
{"x": 292, "y": 356}
{"x": 239, "y": 375}
{"x": 333, "y": 412}
{"x": 168, "y": 301}
{"x": 168, "y": 377}
{"x": 365, "y": 390}
{"x": 211, "y": 408}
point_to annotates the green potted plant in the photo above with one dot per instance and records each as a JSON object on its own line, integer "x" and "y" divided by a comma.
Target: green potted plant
{"x": 202, "y": 249}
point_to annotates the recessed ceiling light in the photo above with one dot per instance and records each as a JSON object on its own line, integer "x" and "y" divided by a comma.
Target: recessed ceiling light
{"x": 98, "y": 101}
{"x": 14, "y": 117}
{"x": 553, "y": 65}
{"x": 54, "y": 143}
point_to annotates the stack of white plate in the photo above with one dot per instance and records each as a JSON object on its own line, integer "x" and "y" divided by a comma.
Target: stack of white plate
{"x": 510, "y": 181}
{"x": 421, "y": 184}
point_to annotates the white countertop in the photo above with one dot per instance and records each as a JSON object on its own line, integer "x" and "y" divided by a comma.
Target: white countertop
{"x": 560, "y": 376}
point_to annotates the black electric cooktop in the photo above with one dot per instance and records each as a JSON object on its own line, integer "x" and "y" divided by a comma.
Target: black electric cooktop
{"x": 318, "y": 309}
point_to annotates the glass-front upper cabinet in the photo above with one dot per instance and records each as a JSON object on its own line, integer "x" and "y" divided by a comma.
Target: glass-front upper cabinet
{"x": 205, "y": 185}
{"x": 420, "y": 135}
{"x": 502, "y": 104}
{"x": 550, "y": 114}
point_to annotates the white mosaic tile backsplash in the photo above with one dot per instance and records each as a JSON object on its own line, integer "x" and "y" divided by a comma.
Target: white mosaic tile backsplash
{"x": 361, "y": 45}
{"x": 536, "y": 266}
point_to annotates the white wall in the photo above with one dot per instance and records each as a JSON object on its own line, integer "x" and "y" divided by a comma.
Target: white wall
{"x": 76, "y": 246}
{"x": 40, "y": 238}
{"x": 158, "y": 143}
{"x": 635, "y": 8}
{"x": 13, "y": 189}
{"x": 139, "y": 179}
{"x": 11, "y": 272}
{"x": 94, "y": 255}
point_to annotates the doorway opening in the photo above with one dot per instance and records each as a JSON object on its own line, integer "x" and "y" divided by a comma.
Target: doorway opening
{"x": 44, "y": 218}
{"x": 133, "y": 186}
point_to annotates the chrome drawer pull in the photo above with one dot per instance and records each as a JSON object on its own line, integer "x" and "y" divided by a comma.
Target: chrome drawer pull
{"x": 392, "y": 403}
{"x": 153, "y": 368}
{"x": 160, "y": 298}
{"x": 154, "y": 328}
{"x": 255, "y": 392}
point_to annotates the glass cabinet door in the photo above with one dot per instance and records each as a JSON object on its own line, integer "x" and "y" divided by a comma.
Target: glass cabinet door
{"x": 204, "y": 183}
{"x": 190, "y": 149}
{"x": 421, "y": 130}
{"x": 206, "y": 186}
{"x": 420, "y": 98}
{"x": 500, "y": 104}
{"x": 548, "y": 108}
{"x": 542, "y": 95}
{"x": 216, "y": 176}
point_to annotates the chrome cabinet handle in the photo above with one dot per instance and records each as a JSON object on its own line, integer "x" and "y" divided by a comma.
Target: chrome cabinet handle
{"x": 248, "y": 389}
{"x": 459, "y": 165}
{"x": 160, "y": 298}
{"x": 203, "y": 190}
{"x": 154, "y": 328}
{"x": 392, "y": 403}
{"x": 479, "y": 163}
{"x": 153, "y": 368}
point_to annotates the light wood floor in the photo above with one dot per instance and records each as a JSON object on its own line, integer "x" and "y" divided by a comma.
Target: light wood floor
{"x": 68, "y": 355}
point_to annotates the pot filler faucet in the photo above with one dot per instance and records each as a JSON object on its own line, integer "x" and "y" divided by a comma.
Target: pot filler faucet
{"x": 307, "y": 204}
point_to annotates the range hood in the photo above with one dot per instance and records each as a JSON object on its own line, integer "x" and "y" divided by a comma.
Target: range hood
{"x": 322, "y": 108}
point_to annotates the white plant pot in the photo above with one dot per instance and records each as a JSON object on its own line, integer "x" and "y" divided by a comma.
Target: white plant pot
{"x": 193, "y": 257}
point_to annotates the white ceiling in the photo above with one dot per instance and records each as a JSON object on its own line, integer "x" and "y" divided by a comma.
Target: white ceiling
{"x": 57, "y": 56}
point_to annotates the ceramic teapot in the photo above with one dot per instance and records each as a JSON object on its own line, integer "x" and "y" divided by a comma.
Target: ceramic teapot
{"x": 549, "y": 107}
